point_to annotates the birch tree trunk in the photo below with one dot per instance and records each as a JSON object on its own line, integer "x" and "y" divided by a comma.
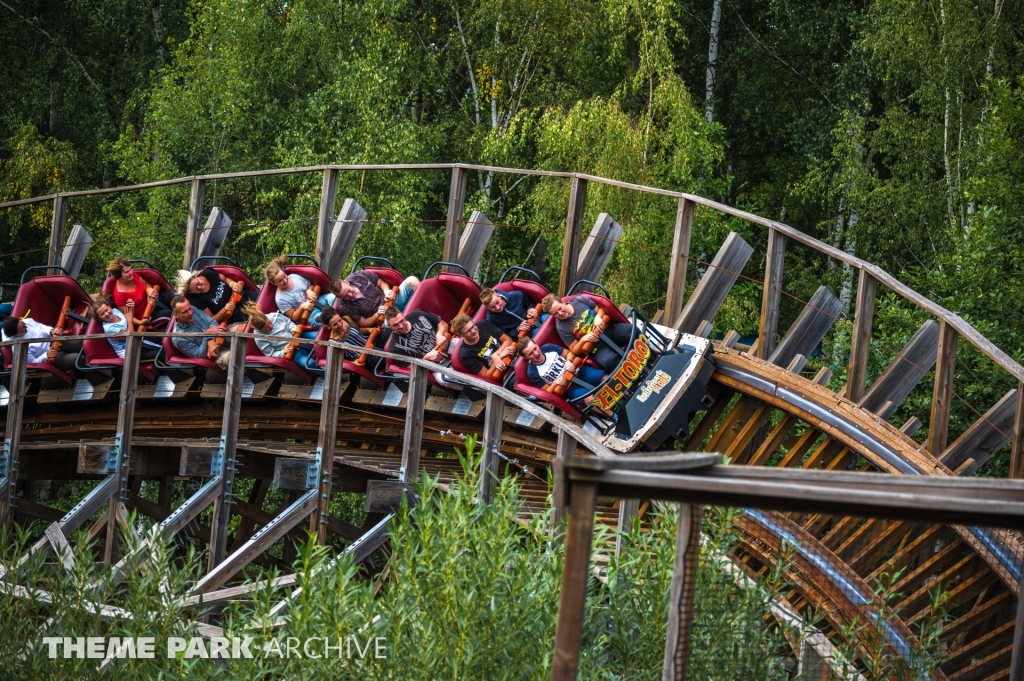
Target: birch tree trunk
{"x": 709, "y": 87}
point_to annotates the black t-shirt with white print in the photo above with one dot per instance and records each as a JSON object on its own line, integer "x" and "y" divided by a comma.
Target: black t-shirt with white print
{"x": 422, "y": 337}
{"x": 478, "y": 355}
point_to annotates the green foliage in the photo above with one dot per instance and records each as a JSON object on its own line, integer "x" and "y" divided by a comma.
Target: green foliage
{"x": 469, "y": 592}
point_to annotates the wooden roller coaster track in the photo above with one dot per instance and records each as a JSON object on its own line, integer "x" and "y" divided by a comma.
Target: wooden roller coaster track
{"x": 765, "y": 413}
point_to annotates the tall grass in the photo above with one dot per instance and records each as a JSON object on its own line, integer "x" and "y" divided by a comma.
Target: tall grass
{"x": 470, "y": 592}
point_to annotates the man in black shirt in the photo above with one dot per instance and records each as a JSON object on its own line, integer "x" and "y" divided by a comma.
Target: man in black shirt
{"x": 210, "y": 291}
{"x": 419, "y": 334}
{"x": 481, "y": 348}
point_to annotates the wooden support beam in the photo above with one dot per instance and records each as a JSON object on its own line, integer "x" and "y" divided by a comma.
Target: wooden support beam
{"x": 325, "y": 218}
{"x": 676, "y": 293}
{"x": 597, "y": 249}
{"x": 260, "y": 542}
{"x": 473, "y": 241}
{"x": 326, "y": 439}
{"x": 123, "y": 436}
{"x": 1017, "y": 659}
{"x": 58, "y": 223}
{"x": 913, "y": 361}
{"x": 214, "y": 233}
{"x": 73, "y": 256}
{"x": 628, "y": 509}
{"x": 12, "y": 435}
{"x": 456, "y": 205}
{"x": 860, "y": 340}
{"x": 1017, "y": 448}
{"x": 573, "y": 232}
{"x": 985, "y": 436}
{"x": 226, "y": 466}
{"x": 386, "y": 496}
{"x": 196, "y": 197}
{"x": 490, "y": 443}
{"x": 771, "y": 297}
{"x": 811, "y": 325}
{"x": 942, "y": 393}
{"x": 245, "y": 525}
{"x": 351, "y": 219}
{"x": 684, "y": 586}
{"x": 713, "y": 288}
{"x": 36, "y": 510}
{"x": 575, "y": 575}
{"x": 414, "y": 423}
{"x": 565, "y": 448}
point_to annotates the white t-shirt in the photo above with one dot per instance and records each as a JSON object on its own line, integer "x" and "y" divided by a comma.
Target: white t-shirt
{"x": 291, "y": 299}
{"x": 33, "y": 329}
{"x": 118, "y": 326}
{"x": 551, "y": 369}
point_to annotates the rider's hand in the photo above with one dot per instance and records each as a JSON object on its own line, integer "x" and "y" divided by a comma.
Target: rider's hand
{"x": 590, "y": 338}
{"x": 237, "y": 287}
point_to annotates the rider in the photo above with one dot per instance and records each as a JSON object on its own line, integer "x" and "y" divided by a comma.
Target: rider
{"x": 41, "y": 353}
{"x": 343, "y": 331}
{"x": 129, "y": 285}
{"x": 210, "y": 291}
{"x": 578, "y": 320}
{"x": 510, "y": 311}
{"x": 482, "y": 345}
{"x": 361, "y": 295}
{"x": 548, "y": 364}
{"x": 114, "y": 321}
{"x": 293, "y": 296}
{"x": 188, "y": 319}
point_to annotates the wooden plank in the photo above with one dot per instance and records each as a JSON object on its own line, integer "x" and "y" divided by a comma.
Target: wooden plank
{"x": 294, "y": 474}
{"x": 385, "y": 496}
{"x": 58, "y": 223}
{"x": 913, "y": 361}
{"x": 490, "y": 444}
{"x": 197, "y": 459}
{"x": 942, "y": 392}
{"x": 565, "y": 449}
{"x": 683, "y": 591}
{"x": 414, "y": 423}
{"x": 716, "y": 283}
{"x": 811, "y": 325}
{"x": 676, "y": 293}
{"x": 260, "y": 542}
{"x": 326, "y": 439}
{"x": 1017, "y": 449}
{"x": 346, "y": 230}
{"x": 325, "y": 218}
{"x": 573, "y": 232}
{"x": 473, "y": 241}
{"x": 985, "y": 436}
{"x": 123, "y": 436}
{"x": 860, "y": 340}
{"x": 12, "y": 435}
{"x": 61, "y": 546}
{"x": 214, "y": 233}
{"x": 456, "y": 205}
{"x": 228, "y": 442}
{"x": 598, "y": 248}
{"x": 73, "y": 256}
{"x": 771, "y": 297}
{"x": 575, "y": 575}
{"x": 197, "y": 194}
{"x": 36, "y": 510}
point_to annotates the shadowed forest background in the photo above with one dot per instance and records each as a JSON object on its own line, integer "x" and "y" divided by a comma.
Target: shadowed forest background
{"x": 890, "y": 129}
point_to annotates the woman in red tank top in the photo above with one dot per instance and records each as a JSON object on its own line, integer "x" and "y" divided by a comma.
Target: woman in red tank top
{"x": 128, "y": 286}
